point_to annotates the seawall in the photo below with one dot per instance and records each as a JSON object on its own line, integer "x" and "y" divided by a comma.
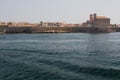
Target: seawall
{"x": 6, "y": 29}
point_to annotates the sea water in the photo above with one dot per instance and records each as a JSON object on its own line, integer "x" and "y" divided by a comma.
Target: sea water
{"x": 64, "y": 56}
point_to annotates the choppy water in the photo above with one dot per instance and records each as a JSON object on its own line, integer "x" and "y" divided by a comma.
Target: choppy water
{"x": 67, "y": 56}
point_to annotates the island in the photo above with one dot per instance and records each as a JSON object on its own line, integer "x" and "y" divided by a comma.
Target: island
{"x": 95, "y": 24}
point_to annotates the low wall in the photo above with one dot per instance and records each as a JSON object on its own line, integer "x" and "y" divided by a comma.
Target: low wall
{"x": 19, "y": 30}
{"x": 74, "y": 29}
{"x": 58, "y": 29}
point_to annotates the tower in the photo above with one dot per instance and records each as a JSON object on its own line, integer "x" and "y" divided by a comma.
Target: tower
{"x": 95, "y": 16}
{"x": 91, "y": 18}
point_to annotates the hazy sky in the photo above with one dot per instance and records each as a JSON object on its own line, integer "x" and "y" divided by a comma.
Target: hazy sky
{"x": 72, "y": 11}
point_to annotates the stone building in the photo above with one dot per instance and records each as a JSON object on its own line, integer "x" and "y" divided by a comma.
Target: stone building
{"x": 97, "y": 21}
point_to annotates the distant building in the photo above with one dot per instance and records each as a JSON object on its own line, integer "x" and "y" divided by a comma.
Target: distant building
{"x": 12, "y": 24}
{"x": 52, "y": 24}
{"x": 97, "y": 21}
{"x": 22, "y": 24}
{"x": 3, "y": 24}
{"x": 72, "y": 25}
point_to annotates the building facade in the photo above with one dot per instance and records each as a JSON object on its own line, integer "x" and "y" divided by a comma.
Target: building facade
{"x": 97, "y": 21}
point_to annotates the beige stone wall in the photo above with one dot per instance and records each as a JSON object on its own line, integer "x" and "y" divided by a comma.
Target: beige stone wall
{"x": 102, "y": 22}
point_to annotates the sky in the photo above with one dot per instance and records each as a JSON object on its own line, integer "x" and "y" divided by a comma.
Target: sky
{"x": 70, "y": 11}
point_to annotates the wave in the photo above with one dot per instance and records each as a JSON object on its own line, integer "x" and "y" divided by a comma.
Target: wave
{"x": 51, "y": 69}
{"x": 48, "y": 52}
{"x": 31, "y": 71}
{"x": 94, "y": 71}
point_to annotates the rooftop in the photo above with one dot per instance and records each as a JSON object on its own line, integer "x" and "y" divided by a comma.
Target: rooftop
{"x": 102, "y": 17}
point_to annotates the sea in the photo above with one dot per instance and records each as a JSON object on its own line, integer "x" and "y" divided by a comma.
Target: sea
{"x": 60, "y": 56}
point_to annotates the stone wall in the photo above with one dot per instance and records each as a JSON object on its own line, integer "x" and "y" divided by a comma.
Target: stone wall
{"x": 58, "y": 29}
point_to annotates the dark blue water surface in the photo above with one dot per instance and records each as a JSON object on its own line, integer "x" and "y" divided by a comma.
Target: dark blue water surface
{"x": 66, "y": 56}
